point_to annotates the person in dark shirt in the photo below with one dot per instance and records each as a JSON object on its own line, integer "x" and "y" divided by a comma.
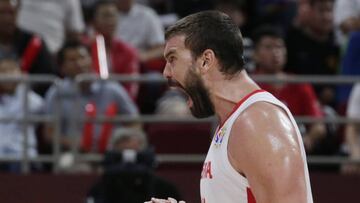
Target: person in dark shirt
{"x": 312, "y": 49}
{"x": 270, "y": 59}
{"x": 14, "y": 42}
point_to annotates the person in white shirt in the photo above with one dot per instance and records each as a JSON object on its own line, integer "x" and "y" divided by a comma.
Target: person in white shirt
{"x": 141, "y": 27}
{"x": 12, "y": 106}
{"x": 52, "y": 19}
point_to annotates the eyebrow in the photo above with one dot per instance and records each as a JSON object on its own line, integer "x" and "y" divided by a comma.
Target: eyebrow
{"x": 169, "y": 53}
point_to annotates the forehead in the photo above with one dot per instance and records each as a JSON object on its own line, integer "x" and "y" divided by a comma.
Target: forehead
{"x": 175, "y": 43}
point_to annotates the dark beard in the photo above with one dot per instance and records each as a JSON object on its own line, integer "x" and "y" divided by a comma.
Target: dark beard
{"x": 202, "y": 105}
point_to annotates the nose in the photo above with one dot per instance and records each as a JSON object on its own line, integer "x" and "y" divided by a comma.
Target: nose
{"x": 167, "y": 71}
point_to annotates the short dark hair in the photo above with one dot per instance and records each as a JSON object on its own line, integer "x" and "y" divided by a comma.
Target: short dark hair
{"x": 70, "y": 44}
{"x": 266, "y": 31}
{"x": 212, "y": 30}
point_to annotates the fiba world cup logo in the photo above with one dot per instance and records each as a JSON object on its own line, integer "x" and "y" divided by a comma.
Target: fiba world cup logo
{"x": 219, "y": 137}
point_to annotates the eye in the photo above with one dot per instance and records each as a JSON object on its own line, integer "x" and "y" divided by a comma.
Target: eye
{"x": 171, "y": 59}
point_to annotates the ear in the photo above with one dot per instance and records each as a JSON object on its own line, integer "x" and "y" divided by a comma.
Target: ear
{"x": 207, "y": 60}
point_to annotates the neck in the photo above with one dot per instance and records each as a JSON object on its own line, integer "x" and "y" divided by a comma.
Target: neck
{"x": 226, "y": 93}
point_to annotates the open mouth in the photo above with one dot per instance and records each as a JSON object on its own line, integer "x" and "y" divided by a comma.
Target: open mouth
{"x": 177, "y": 86}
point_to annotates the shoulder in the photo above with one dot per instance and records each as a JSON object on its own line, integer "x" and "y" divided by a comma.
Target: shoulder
{"x": 265, "y": 148}
{"x": 261, "y": 119}
{"x": 266, "y": 134}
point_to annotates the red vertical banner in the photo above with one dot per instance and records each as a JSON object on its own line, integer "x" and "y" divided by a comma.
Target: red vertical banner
{"x": 107, "y": 127}
{"x": 88, "y": 131}
{"x": 31, "y": 52}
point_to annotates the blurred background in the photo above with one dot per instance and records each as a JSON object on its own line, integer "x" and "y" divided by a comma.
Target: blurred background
{"x": 86, "y": 116}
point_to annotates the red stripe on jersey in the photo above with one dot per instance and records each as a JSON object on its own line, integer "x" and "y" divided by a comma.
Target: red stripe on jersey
{"x": 239, "y": 104}
{"x": 250, "y": 196}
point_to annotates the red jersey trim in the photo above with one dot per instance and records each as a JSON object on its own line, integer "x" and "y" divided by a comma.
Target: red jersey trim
{"x": 239, "y": 104}
{"x": 250, "y": 196}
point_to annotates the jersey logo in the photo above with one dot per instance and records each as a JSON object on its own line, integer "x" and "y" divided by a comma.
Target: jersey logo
{"x": 219, "y": 137}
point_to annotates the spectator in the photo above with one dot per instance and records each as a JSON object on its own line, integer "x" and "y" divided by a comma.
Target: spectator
{"x": 123, "y": 59}
{"x": 312, "y": 49}
{"x": 353, "y": 131}
{"x": 141, "y": 27}
{"x": 95, "y": 98}
{"x": 12, "y": 105}
{"x": 347, "y": 18}
{"x": 53, "y": 20}
{"x": 128, "y": 175}
{"x": 270, "y": 59}
{"x": 18, "y": 43}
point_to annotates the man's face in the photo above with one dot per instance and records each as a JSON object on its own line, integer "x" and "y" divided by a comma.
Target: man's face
{"x": 76, "y": 61}
{"x": 182, "y": 71}
{"x": 106, "y": 18}
{"x": 322, "y": 16}
{"x": 8, "y": 12}
{"x": 9, "y": 68}
{"x": 270, "y": 54}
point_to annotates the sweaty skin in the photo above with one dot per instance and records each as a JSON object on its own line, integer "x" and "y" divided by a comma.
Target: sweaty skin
{"x": 263, "y": 144}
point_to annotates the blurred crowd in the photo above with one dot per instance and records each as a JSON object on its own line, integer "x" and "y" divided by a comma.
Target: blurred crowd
{"x": 282, "y": 38}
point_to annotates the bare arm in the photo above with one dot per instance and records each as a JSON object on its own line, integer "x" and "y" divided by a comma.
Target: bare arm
{"x": 267, "y": 152}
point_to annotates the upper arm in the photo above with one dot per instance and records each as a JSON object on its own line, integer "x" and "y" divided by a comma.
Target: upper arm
{"x": 267, "y": 152}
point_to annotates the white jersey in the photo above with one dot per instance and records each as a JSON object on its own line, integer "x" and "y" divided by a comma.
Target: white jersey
{"x": 220, "y": 182}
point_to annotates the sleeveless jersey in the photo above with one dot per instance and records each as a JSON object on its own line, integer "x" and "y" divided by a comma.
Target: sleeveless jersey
{"x": 220, "y": 182}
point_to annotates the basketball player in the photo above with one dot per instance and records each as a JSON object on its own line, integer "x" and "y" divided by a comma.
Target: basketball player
{"x": 256, "y": 154}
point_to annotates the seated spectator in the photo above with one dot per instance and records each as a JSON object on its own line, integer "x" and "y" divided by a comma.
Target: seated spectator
{"x": 88, "y": 99}
{"x": 123, "y": 59}
{"x": 53, "y": 20}
{"x": 141, "y": 27}
{"x": 270, "y": 59}
{"x": 18, "y": 43}
{"x": 312, "y": 49}
{"x": 12, "y": 97}
{"x": 128, "y": 171}
{"x": 352, "y": 132}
